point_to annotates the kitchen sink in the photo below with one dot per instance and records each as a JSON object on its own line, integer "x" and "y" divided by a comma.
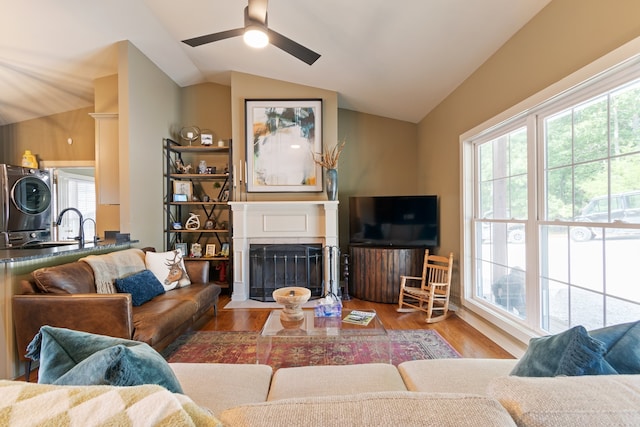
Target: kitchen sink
{"x": 46, "y": 245}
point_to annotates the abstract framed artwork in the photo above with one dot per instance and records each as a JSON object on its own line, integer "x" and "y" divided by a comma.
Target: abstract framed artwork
{"x": 282, "y": 135}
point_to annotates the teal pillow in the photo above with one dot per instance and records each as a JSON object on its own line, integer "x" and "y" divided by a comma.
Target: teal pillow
{"x": 143, "y": 287}
{"x": 622, "y": 343}
{"x": 572, "y": 352}
{"x": 122, "y": 366}
{"x": 80, "y": 358}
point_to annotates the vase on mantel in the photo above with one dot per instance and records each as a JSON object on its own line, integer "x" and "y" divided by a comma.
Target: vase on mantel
{"x": 332, "y": 184}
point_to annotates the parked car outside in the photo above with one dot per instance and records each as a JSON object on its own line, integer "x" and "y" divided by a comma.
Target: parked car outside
{"x": 625, "y": 208}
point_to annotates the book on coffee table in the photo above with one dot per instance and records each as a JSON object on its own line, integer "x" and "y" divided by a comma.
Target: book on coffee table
{"x": 359, "y": 317}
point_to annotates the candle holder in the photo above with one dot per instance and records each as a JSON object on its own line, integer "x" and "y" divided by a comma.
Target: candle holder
{"x": 190, "y": 133}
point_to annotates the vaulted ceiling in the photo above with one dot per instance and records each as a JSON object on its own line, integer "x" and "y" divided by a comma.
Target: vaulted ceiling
{"x": 396, "y": 59}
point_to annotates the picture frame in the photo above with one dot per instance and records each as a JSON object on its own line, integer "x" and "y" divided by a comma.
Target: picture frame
{"x": 281, "y": 137}
{"x": 182, "y": 187}
{"x": 225, "y": 250}
{"x": 206, "y": 139}
{"x": 210, "y": 250}
{"x": 224, "y": 196}
{"x": 182, "y": 247}
{"x": 196, "y": 250}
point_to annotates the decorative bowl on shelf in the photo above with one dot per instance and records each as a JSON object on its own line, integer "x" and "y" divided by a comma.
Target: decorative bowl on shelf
{"x": 292, "y": 298}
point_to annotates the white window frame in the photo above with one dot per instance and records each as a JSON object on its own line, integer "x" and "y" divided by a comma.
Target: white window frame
{"x": 510, "y": 333}
{"x": 71, "y": 221}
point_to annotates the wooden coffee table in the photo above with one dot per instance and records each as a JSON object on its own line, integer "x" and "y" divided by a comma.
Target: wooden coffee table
{"x": 331, "y": 331}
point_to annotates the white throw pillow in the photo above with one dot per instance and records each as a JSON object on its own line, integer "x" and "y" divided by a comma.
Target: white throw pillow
{"x": 168, "y": 267}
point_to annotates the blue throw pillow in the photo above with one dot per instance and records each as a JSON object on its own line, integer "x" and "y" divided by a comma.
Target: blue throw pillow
{"x": 143, "y": 287}
{"x": 622, "y": 343}
{"x": 572, "y": 352}
{"x": 80, "y": 358}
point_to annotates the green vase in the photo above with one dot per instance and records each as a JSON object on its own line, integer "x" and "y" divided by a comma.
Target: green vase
{"x": 332, "y": 184}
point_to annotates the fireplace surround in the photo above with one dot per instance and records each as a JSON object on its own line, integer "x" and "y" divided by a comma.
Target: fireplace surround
{"x": 283, "y": 223}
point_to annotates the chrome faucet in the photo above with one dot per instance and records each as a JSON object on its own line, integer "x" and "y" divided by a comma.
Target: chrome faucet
{"x": 80, "y": 238}
{"x": 95, "y": 229}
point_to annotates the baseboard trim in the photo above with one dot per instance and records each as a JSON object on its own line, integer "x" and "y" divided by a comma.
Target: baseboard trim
{"x": 510, "y": 344}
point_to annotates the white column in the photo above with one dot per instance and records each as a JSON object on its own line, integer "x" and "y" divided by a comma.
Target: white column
{"x": 240, "y": 252}
{"x": 332, "y": 254}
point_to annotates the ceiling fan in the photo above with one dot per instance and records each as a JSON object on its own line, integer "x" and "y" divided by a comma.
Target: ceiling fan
{"x": 255, "y": 20}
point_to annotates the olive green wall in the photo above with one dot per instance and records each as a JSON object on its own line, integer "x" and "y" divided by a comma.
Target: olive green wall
{"x": 149, "y": 103}
{"x": 378, "y": 160}
{"x": 564, "y": 37}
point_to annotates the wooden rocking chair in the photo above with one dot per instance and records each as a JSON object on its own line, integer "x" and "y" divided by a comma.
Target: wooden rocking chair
{"x": 432, "y": 296}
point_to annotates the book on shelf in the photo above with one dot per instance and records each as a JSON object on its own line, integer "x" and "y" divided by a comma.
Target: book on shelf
{"x": 358, "y": 317}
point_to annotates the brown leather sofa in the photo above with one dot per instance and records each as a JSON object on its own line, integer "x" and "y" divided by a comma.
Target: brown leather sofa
{"x": 65, "y": 296}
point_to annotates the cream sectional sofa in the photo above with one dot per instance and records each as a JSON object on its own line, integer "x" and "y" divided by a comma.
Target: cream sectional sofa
{"x": 557, "y": 386}
{"x": 449, "y": 392}
{"x": 471, "y": 392}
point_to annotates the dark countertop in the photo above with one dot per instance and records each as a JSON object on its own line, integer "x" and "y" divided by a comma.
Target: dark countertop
{"x": 16, "y": 255}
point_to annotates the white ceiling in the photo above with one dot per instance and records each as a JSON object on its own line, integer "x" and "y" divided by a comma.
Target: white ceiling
{"x": 396, "y": 59}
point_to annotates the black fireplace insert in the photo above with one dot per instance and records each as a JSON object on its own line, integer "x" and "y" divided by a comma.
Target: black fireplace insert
{"x": 274, "y": 266}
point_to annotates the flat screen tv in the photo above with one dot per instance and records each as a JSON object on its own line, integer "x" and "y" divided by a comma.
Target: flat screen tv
{"x": 402, "y": 221}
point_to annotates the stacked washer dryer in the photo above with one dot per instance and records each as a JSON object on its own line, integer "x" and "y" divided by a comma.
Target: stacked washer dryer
{"x": 25, "y": 205}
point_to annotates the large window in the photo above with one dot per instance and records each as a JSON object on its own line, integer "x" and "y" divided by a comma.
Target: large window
{"x": 75, "y": 188}
{"x": 502, "y": 201}
{"x": 554, "y": 210}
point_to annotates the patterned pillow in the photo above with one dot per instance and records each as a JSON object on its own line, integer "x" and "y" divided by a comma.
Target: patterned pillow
{"x": 168, "y": 267}
{"x": 143, "y": 287}
{"x": 27, "y": 404}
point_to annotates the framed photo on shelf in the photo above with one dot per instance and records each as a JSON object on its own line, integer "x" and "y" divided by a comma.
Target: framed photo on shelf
{"x": 183, "y": 248}
{"x": 225, "y": 250}
{"x": 210, "y": 250}
{"x": 206, "y": 139}
{"x": 224, "y": 196}
{"x": 182, "y": 188}
{"x": 196, "y": 250}
{"x": 283, "y": 132}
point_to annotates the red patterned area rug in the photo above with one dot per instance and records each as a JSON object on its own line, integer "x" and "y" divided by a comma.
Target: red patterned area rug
{"x": 240, "y": 347}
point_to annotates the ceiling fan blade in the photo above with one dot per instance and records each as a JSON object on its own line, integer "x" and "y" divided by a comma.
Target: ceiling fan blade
{"x": 197, "y": 41}
{"x": 292, "y": 48}
{"x": 257, "y": 10}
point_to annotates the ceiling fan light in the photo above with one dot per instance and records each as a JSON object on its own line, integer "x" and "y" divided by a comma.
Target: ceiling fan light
{"x": 256, "y": 36}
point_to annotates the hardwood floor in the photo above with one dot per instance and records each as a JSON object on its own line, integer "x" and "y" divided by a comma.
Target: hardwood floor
{"x": 464, "y": 338}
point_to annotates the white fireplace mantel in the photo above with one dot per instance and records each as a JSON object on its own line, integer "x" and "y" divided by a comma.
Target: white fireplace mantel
{"x": 280, "y": 222}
